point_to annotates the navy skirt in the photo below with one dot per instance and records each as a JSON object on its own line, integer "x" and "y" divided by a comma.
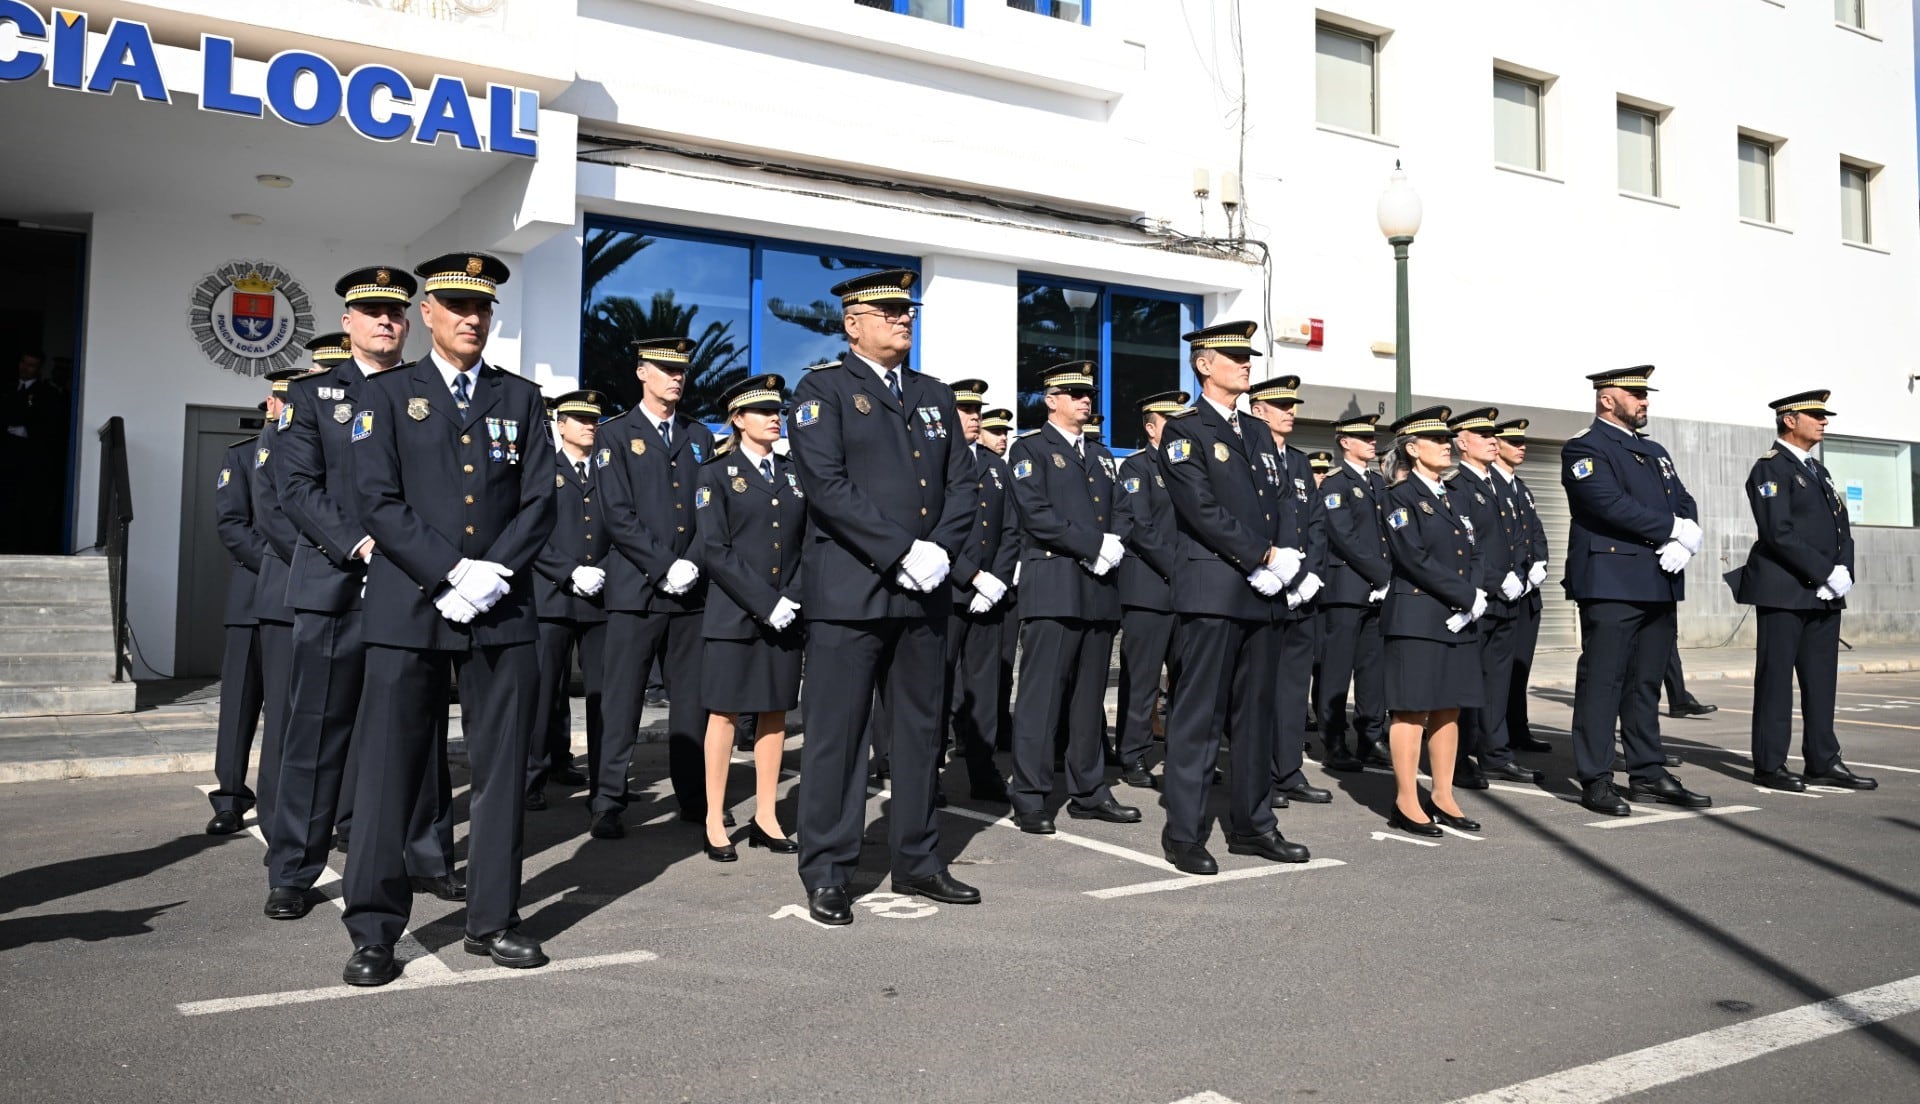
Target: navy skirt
{"x": 1423, "y": 674}
{"x": 761, "y": 675}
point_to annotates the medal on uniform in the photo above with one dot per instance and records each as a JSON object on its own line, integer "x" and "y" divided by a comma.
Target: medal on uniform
{"x": 1220, "y": 451}
{"x": 1059, "y": 461}
{"x": 1800, "y": 479}
{"x": 1426, "y": 507}
{"x": 513, "y": 440}
{"x": 494, "y": 453}
{"x": 1480, "y": 498}
{"x": 861, "y": 403}
{"x": 739, "y": 485}
{"x": 793, "y": 482}
{"x": 1106, "y": 465}
{"x": 343, "y": 413}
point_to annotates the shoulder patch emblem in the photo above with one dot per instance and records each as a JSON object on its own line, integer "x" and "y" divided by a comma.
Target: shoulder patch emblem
{"x": 1582, "y": 468}
{"x": 260, "y": 457}
{"x": 1220, "y": 452}
{"x": 286, "y": 417}
{"x": 362, "y": 426}
{"x": 1132, "y": 484}
{"x": 1179, "y": 450}
{"x": 807, "y": 413}
{"x": 1333, "y": 501}
{"x": 1399, "y": 519}
{"x": 1022, "y": 469}
{"x": 1581, "y": 434}
{"x": 1768, "y": 490}
{"x": 602, "y": 460}
{"x": 226, "y": 477}
{"x": 702, "y": 497}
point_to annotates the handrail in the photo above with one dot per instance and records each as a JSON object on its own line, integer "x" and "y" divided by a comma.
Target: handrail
{"x": 110, "y": 534}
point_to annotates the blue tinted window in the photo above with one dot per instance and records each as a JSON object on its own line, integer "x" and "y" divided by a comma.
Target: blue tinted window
{"x": 1131, "y": 334}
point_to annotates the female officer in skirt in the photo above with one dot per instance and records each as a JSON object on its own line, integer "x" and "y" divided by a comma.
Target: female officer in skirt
{"x": 1432, "y": 658}
{"x": 752, "y": 521}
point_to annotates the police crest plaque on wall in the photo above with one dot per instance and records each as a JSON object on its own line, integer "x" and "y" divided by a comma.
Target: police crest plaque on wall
{"x": 250, "y": 317}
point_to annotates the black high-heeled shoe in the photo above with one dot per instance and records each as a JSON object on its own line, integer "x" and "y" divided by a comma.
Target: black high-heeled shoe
{"x": 1400, "y": 820}
{"x": 779, "y": 845}
{"x": 729, "y": 853}
{"x": 1465, "y": 824}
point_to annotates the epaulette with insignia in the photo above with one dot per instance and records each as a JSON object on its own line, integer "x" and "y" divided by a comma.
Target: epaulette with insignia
{"x": 1581, "y": 434}
{"x": 245, "y": 441}
{"x": 823, "y": 367}
{"x": 1187, "y": 412}
{"x": 510, "y": 375}
{"x": 1449, "y": 475}
{"x": 605, "y": 422}
{"x": 721, "y": 448}
{"x": 319, "y": 373}
{"x": 1769, "y": 454}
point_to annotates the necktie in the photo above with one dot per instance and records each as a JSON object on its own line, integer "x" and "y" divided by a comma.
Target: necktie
{"x": 1233, "y": 423}
{"x": 893, "y": 384}
{"x": 462, "y": 394}
{"x": 766, "y": 468}
{"x": 581, "y": 467}
{"x": 666, "y": 433}
{"x": 1080, "y": 446}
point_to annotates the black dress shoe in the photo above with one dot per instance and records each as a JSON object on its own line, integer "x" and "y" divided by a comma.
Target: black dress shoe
{"x": 608, "y": 825}
{"x": 508, "y": 948}
{"x": 1400, "y": 820}
{"x": 449, "y": 887}
{"x": 1189, "y": 858}
{"x": 882, "y": 771}
{"x": 566, "y": 776}
{"x": 1600, "y": 796}
{"x": 779, "y": 845}
{"x": 1780, "y": 780}
{"x": 1267, "y": 845}
{"x": 372, "y": 965}
{"x": 1375, "y": 754}
{"x": 1692, "y": 709}
{"x": 1465, "y": 824}
{"x": 1528, "y": 743}
{"x": 699, "y": 816}
{"x": 340, "y": 843}
{"x": 1036, "y": 823}
{"x": 830, "y": 905}
{"x": 1312, "y": 795}
{"x": 1468, "y": 777}
{"x": 1668, "y": 790}
{"x": 535, "y": 801}
{"x": 1344, "y": 761}
{"x": 224, "y": 823}
{"x": 287, "y": 903}
{"x": 995, "y": 791}
{"x": 1278, "y": 800}
{"x": 729, "y": 853}
{"x": 1108, "y": 810}
{"x": 942, "y": 887}
{"x": 1839, "y": 775}
{"x": 1514, "y": 772}
{"x": 1138, "y": 776}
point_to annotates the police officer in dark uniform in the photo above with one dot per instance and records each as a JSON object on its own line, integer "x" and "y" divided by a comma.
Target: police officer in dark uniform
{"x": 1359, "y": 567}
{"x": 1798, "y": 573}
{"x": 270, "y": 608}
{"x": 1069, "y": 607}
{"x": 890, "y": 497}
{"x": 1634, "y": 528}
{"x": 1143, "y": 519}
{"x": 1501, "y": 545}
{"x": 996, "y": 437}
{"x": 981, "y": 578}
{"x": 1223, "y": 476}
{"x": 240, "y": 691}
{"x": 655, "y": 593}
{"x": 1511, "y": 438}
{"x": 458, "y": 497}
{"x": 569, "y": 575}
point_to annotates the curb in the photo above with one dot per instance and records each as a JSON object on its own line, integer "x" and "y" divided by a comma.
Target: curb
{"x": 1859, "y": 667}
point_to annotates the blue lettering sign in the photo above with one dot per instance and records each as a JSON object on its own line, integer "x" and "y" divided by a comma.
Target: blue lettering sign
{"x": 447, "y": 112}
{"x": 128, "y": 57}
{"x": 283, "y": 76}
{"x": 504, "y": 123}
{"x": 24, "y": 63}
{"x": 69, "y": 48}
{"x": 216, "y": 89}
{"x": 361, "y": 87}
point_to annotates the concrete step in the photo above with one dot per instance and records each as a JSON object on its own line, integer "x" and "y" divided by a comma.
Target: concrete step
{"x": 67, "y": 567}
{"x": 30, "y": 614}
{"x": 56, "y": 668}
{"x": 67, "y": 700}
{"x": 54, "y": 589}
{"x": 58, "y": 638}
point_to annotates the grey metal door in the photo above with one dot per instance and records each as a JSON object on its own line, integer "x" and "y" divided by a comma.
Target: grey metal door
{"x": 199, "y": 623}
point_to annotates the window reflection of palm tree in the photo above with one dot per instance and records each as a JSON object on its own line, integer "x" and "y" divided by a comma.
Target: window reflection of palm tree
{"x": 615, "y": 322}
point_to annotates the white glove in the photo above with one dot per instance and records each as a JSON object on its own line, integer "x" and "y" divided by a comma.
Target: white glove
{"x": 1286, "y": 564}
{"x": 784, "y": 611}
{"x": 1306, "y": 588}
{"x": 924, "y": 567}
{"x": 1458, "y": 621}
{"x": 1110, "y": 551}
{"x": 1098, "y": 566}
{"x": 1674, "y": 557}
{"x": 681, "y": 575}
{"x": 1479, "y": 605}
{"x": 1537, "y": 574}
{"x": 1377, "y": 595}
{"x": 1825, "y": 593}
{"x": 455, "y": 608}
{"x": 1688, "y": 533}
{"x": 1840, "y": 580}
{"x": 480, "y": 582}
{"x": 1265, "y": 581}
{"x": 1510, "y": 587}
{"x": 1016, "y": 573}
{"x": 980, "y": 604}
{"x": 587, "y": 581}
{"x": 987, "y": 586}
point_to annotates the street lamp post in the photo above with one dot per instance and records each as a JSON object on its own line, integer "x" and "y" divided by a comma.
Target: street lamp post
{"x": 1399, "y": 215}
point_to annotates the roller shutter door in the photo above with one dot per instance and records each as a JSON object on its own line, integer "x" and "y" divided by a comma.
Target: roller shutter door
{"x": 1559, "y": 618}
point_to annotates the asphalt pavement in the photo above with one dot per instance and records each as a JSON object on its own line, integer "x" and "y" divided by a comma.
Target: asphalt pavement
{"x": 1556, "y": 955}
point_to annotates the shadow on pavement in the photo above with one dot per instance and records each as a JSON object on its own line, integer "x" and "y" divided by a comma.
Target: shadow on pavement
{"x": 88, "y": 927}
{"x": 72, "y": 877}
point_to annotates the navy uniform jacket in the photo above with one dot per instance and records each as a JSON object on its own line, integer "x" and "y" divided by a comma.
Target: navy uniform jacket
{"x": 878, "y": 477}
{"x": 1143, "y": 517}
{"x": 1804, "y": 535}
{"x": 1358, "y": 560}
{"x": 436, "y": 492}
{"x": 579, "y": 540}
{"x": 1495, "y": 536}
{"x": 993, "y": 545}
{"x": 1225, "y": 488}
{"x": 1624, "y": 494}
{"x": 233, "y": 514}
{"x": 1066, "y": 509}
{"x": 1435, "y": 564}
{"x": 1528, "y": 532}
{"x": 752, "y": 536}
{"x": 270, "y": 588}
{"x": 646, "y": 489}
{"x": 1303, "y": 525}
{"x": 316, "y": 489}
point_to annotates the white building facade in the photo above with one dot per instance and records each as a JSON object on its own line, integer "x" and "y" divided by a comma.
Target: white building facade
{"x": 1724, "y": 189}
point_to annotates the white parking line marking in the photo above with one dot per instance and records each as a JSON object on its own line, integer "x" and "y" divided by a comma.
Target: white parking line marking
{"x": 1452, "y": 831}
{"x": 1191, "y": 881}
{"x": 1666, "y": 1063}
{"x": 1534, "y": 791}
{"x": 409, "y": 982}
{"x": 1404, "y": 839}
{"x": 1676, "y": 814}
{"x": 1087, "y": 842}
{"x": 1744, "y": 757}
{"x": 1205, "y": 1098}
{"x": 1840, "y": 720}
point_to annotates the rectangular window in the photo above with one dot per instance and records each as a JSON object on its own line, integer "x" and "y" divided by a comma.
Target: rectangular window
{"x": 940, "y": 11}
{"x": 1639, "y": 140}
{"x": 1516, "y": 121}
{"x": 1073, "y": 11}
{"x": 1131, "y": 334}
{"x": 751, "y": 305}
{"x": 1856, "y": 207}
{"x": 1878, "y": 480}
{"x": 1756, "y": 179}
{"x": 1851, "y": 12}
{"x": 1345, "y": 85}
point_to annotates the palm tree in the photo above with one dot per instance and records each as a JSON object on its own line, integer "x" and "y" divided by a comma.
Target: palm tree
{"x": 606, "y": 354}
{"x": 602, "y": 254}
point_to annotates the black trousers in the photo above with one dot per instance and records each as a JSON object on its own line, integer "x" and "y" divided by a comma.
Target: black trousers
{"x": 1805, "y": 643}
{"x": 1293, "y": 643}
{"x": 976, "y": 693}
{"x": 552, "y": 744}
{"x": 404, "y": 690}
{"x": 1675, "y": 679}
{"x": 1063, "y": 675}
{"x": 1009, "y": 647}
{"x": 1146, "y": 640}
{"x": 846, "y": 662}
{"x": 1623, "y": 648}
{"x": 1351, "y": 653}
{"x": 633, "y": 642}
{"x": 1223, "y": 681}
{"x": 319, "y": 761}
{"x": 1526, "y": 637}
{"x": 240, "y": 704}
{"x": 276, "y": 677}
{"x": 1484, "y": 727}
